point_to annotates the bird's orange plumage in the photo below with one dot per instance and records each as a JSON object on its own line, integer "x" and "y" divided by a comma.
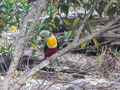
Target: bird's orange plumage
{"x": 51, "y": 46}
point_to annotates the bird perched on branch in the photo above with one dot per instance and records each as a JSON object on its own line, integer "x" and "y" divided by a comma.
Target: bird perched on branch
{"x": 51, "y": 44}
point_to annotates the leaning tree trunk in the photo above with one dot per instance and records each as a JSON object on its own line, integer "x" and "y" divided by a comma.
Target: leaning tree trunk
{"x": 34, "y": 15}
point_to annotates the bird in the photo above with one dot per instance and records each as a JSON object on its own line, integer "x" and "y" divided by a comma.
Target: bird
{"x": 51, "y": 43}
{"x": 50, "y": 47}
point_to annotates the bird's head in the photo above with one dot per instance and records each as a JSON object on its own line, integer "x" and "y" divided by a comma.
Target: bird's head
{"x": 50, "y": 39}
{"x": 45, "y": 33}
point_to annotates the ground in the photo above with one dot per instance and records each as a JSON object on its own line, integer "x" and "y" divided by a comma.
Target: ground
{"x": 74, "y": 72}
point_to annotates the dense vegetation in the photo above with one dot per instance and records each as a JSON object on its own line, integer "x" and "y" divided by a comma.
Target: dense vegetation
{"x": 75, "y": 23}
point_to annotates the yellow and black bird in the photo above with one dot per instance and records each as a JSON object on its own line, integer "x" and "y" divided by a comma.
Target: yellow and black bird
{"x": 51, "y": 44}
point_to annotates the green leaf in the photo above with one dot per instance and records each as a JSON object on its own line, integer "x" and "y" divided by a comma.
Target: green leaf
{"x": 50, "y": 10}
{"x": 64, "y": 9}
{"x": 100, "y": 8}
{"x": 39, "y": 27}
{"x": 77, "y": 19}
{"x": 33, "y": 52}
{"x": 66, "y": 21}
{"x": 56, "y": 21}
{"x": 53, "y": 25}
{"x": 24, "y": 5}
{"x": 1, "y": 41}
{"x": 61, "y": 1}
{"x": 95, "y": 42}
{"x": 83, "y": 45}
{"x": 48, "y": 20}
{"x": 55, "y": 2}
{"x": 15, "y": 74}
{"x": 111, "y": 11}
{"x": 68, "y": 35}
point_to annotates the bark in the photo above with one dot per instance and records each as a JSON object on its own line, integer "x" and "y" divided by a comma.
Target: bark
{"x": 35, "y": 13}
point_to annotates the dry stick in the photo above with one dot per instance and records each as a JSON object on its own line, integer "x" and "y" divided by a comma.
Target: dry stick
{"x": 36, "y": 10}
{"x": 63, "y": 51}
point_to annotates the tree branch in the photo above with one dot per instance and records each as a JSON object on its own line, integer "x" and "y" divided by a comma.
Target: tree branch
{"x": 34, "y": 12}
{"x": 76, "y": 39}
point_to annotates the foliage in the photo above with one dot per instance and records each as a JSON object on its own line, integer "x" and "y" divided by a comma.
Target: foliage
{"x": 11, "y": 14}
{"x": 59, "y": 12}
{"x": 62, "y": 16}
